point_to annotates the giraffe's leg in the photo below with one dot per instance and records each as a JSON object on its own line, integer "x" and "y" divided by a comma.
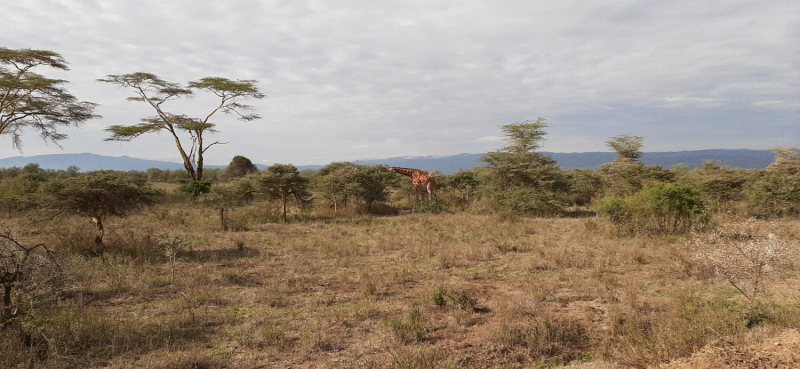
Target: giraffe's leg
{"x": 431, "y": 192}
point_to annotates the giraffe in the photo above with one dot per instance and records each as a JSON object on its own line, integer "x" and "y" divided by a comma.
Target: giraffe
{"x": 418, "y": 179}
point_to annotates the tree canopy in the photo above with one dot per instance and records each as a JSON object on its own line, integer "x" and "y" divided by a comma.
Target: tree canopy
{"x": 520, "y": 179}
{"x": 627, "y": 146}
{"x": 240, "y": 166}
{"x": 284, "y": 182}
{"x": 518, "y": 164}
{"x": 29, "y": 100}
{"x": 99, "y": 195}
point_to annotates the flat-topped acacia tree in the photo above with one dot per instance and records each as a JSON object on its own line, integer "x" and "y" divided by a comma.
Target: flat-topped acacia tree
{"x": 155, "y": 91}
{"x": 29, "y": 100}
{"x": 99, "y": 195}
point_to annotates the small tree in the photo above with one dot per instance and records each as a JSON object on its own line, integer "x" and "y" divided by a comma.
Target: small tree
{"x": 720, "y": 184}
{"x": 284, "y": 182}
{"x": 338, "y": 182}
{"x": 463, "y": 182}
{"x": 786, "y": 157}
{"x": 29, "y": 100}
{"x": 518, "y": 164}
{"x": 99, "y": 195}
{"x": 373, "y": 182}
{"x": 229, "y": 195}
{"x": 627, "y": 147}
{"x": 627, "y": 175}
{"x": 171, "y": 246}
{"x": 584, "y": 185}
{"x": 776, "y": 190}
{"x": 240, "y": 166}
{"x": 521, "y": 179}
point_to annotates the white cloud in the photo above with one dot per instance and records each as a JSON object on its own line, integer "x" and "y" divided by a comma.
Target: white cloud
{"x": 354, "y": 79}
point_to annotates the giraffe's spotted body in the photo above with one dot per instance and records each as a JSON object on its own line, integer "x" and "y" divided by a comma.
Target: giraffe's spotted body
{"x": 418, "y": 178}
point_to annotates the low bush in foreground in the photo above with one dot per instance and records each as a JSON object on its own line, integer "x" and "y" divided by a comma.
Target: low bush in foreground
{"x": 663, "y": 208}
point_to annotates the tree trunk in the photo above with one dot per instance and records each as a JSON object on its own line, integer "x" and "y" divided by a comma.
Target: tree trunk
{"x": 283, "y": 201}
{"x": 222, "y": 219}
{"x": 6, "y": 312}
{"x": 199, "y": 156}
{"x": 190, "y": 169}
{"x": 186, "y": 162}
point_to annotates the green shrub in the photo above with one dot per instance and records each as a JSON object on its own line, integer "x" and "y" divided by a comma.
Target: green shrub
{"x": 20, "y": 193}
{"x": 408, "y": 330}
{"x": 624, "y": 177}
{"x": 195, "y": 188}
{"x": 774, "y": 194}
{"x": 722, "y": 186}
{"x": 434, "y": 207}
{"x": 663, "y": 208}
{"x": 530, "y": 201}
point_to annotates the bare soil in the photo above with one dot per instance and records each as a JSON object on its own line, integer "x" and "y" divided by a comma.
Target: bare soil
{"x": 782, "y": 351}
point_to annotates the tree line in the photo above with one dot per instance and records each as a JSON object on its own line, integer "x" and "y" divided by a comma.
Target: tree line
{"x": 516, "y": 178}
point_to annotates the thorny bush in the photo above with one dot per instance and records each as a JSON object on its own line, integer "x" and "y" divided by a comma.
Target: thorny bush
{"x": 743, "y": 255}
{"x": 30, "y": 277}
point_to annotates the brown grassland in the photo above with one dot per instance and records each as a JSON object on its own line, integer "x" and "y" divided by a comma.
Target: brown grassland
{"x": 457, "y": 290}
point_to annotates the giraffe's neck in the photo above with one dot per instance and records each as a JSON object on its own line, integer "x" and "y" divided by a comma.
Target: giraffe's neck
{"x": 404, "y": 171}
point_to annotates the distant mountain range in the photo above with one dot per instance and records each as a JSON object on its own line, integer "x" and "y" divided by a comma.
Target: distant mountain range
{"x": 739, "y": 158}
{"x": 446, "y": 164}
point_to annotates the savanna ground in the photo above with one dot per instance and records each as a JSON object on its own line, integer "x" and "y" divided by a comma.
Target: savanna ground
{"x": 406, "y": 291}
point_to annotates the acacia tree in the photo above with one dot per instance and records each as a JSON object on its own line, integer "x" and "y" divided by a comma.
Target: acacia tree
{"x": 30, "y": 100}
{"x": 627, "y": 175}
{"x": 518, "y": 164}
{"x": 338, "y": 183}
{"x": 155, "y": 91}
{"x": 99, "y": 195}
{"x": 627, "y": 146}
{"x": 237, "y": 193}
{"x": 776, "y": 190}
{"x": 521, "y": 179}
{"x": 373, "y": 182}
{"x": 284, "y": 182}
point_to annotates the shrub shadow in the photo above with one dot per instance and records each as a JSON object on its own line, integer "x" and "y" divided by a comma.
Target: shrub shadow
{"x": 216, "y": 255}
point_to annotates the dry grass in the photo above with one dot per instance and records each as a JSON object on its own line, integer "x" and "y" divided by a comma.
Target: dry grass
{"x": 409, "y": 291}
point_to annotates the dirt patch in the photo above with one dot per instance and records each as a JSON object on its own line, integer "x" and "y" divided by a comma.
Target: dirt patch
{"x": 782, "y": 351}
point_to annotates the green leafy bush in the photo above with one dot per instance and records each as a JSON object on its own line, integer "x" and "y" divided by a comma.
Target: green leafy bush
{"x": 530, "y": 201}
{"x": 774, "y": 194}
{"x": 434, "y": 207}
{"x": 662, "y": 208}
{"x": 195, "y": 188}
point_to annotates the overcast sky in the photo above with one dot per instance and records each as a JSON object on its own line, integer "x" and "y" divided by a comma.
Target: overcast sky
{"x": 350, "y": 80}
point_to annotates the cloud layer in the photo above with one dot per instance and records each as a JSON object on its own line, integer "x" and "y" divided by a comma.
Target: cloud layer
{"x": 353, "y": 80}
